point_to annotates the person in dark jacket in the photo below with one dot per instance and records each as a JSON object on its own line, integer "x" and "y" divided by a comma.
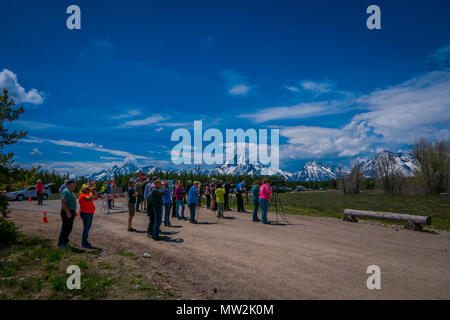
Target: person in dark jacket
{"x": 156, "y": 199}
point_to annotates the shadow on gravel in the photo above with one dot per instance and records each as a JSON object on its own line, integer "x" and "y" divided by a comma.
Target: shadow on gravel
{"x": 169, "y": 239}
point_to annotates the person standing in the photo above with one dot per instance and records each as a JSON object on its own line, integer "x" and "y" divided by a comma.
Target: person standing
{"x": 87, "y": 209}
{"x": 208, "y": 197}
{"x": 108, "y": 191}
{"x": 39, "y": 192}
{"x": 174, "y": 212}
{"x": 132, "y": 195}
{"x": 139, "y": 188}
{"x": 255, "y": 198}
{"x": 264, "y": 198}
{"x": 179, "y": 196}
{"x": 226, "y": 196}
{"x": 167, "y": 200}
{"x": 193, "y": 201}
{"x": 156, "y": 197}
{"x": 212, "y": 189}
{"x": 220, "y": 192}
{"x": 63, "y": 186}
{"x": 68, "y": 214}
{"x": 147, "y": 195}
{"x": 240, "y": 188}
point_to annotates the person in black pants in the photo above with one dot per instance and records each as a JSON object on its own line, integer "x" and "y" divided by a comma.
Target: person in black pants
{"x": 225, "y": 196}
{"x": 68, "y": 214}
{"x": 174, "y": 212}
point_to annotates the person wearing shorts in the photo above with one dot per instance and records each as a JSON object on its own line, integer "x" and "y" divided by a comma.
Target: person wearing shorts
{"x": 132, "y": 194}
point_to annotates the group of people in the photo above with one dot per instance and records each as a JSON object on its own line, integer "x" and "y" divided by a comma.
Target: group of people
{"x": 159, "y": 198}
{"x": 160, "y": 202}
{"x": 86, "y": 199}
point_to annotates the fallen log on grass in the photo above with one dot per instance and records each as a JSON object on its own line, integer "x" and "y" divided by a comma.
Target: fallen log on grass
{"x": 411, "y": 221}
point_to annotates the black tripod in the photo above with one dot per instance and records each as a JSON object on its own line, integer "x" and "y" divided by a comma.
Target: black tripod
{"x": 275, "y": 201}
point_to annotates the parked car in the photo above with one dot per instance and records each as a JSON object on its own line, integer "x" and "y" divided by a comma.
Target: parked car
{"x": 300, "y": 188}
{"x": 29, "y": 192}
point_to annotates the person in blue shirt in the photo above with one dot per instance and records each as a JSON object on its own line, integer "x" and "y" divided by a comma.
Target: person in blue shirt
{"x": 240, "y": 188}
{"x": 193, "y": 201}
{"x": 167, "y": 199}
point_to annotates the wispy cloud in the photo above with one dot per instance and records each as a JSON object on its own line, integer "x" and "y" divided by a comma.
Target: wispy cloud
{"x": 298, "y": 111}
{"x": 318, "y": 87}
{"x": 128, "y": 114}
{"x": 236, "y": 84}
{"x": 128, "y": 156}
{"x": 8, "y": 81}
{"x": 98, "y": 46}
{"x": 143, "y": 122}
{"x": 441, "y": 56}
{"x": 36, "y": 151}
{"x": 36, "y": 125}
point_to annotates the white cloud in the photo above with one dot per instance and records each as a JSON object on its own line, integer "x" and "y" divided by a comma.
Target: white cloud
{"x": 8, "y": 81}
{"x": 143, "y": 122}
{"x": 318, "y": 87}
{"x": 316, "y": 142}
{"x": 36, "y": 151}
{"x": 416, "y": 108}
{"x": 239, "y": 90}
{"x": 292, "y": 89}
{"x": 36, "y": 125}
{"x": 441, "y": 55}
{"x": 128, "y": 157}
{"x": 129, "y": 114}
{"x": 298, "y": 111}
{"x": 236, "y": 84}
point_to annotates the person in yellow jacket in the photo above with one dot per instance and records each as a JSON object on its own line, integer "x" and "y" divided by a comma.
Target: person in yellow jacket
{"x": 220, "y": 192}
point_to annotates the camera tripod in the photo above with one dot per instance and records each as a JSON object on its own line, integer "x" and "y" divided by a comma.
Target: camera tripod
{"x": 276, "y": 201}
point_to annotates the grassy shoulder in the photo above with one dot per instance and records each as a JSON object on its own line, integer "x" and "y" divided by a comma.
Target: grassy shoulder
{"x": 33, "y": 268}
{"x": 332, "y": 204}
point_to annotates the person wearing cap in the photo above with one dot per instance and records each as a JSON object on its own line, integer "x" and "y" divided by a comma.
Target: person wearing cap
{"x": 39, "y": 192}
{"x": 68, "y": 214}
{"x": 193, "y": 201}
{"x": 63, "y": 186}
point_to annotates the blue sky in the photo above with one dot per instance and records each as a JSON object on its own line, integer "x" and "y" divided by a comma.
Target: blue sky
{"x": 116, "y": 89}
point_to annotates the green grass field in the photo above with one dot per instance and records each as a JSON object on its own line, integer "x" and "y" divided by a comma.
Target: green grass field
{"x": 332, "y": 204}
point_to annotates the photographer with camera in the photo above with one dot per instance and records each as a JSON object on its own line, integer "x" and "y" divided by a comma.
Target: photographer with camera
{"x": 264, "y": 198}
{"x": 88, "y": 195}
{"x": 255, "y": 199}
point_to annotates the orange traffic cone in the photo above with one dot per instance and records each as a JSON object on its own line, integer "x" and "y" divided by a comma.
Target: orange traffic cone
{"x": 44, "y": 218}
{"x": 29, "y": 199}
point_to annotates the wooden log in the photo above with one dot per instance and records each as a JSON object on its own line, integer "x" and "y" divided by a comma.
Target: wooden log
{"x": 388, "y": 216}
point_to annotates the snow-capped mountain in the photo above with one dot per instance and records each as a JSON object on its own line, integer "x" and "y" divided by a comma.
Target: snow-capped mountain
{"x": 242, "y": 167}
{"x": 403, "y": 163}
{"x": 316, "y": 171}
{"x": 127, "y": 168}
{"x": 311, "y": 171}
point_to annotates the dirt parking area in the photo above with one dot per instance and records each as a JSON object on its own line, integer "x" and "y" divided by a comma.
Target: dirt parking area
{"x": 308, "y": 258}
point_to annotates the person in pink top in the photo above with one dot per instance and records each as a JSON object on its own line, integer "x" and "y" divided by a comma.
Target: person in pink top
{"x": 39, "y": 192}
{"x": 179, "y": 196}
{"x": 264, "y": 198}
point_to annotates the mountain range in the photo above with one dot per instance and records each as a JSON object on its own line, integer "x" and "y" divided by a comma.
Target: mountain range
{"x": 403, "y": 163}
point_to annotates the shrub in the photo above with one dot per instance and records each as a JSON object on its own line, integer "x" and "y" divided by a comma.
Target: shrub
{"x": 8, "y": 233}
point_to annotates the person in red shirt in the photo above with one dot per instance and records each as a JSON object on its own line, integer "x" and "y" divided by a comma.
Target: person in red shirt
{"x": 87, "y": 210}
{"x": 39, "y": 192}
